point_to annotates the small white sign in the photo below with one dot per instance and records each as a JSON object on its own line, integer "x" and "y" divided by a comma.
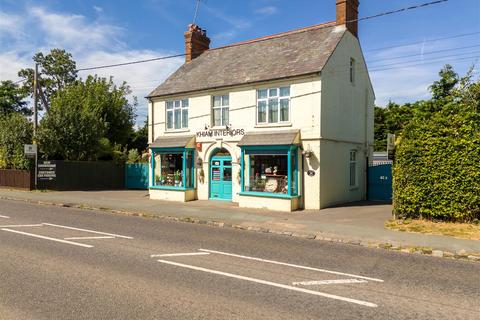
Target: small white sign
{"x": 30, "y": 149}
{"x": 390, "y": 141}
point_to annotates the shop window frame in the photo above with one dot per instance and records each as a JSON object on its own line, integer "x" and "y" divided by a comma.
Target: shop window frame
{"x": 184, "y": 152}
{"x": 288, "y": 151}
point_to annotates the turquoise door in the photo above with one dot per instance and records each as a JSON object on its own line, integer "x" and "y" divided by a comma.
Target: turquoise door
{"x": 221, "y": 178}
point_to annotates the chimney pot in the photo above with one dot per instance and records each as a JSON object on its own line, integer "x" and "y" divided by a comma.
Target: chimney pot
{"x": 347, "y": 10}
{"x": 196, "y": 42}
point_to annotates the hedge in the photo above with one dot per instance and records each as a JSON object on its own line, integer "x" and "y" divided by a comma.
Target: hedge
{"x": 437, "y": 162}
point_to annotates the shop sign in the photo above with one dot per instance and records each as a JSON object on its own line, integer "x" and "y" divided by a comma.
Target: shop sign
{"x": 220, "y": 133}
{"x": 311, "y": 173}
{"x": 47, "y": 171}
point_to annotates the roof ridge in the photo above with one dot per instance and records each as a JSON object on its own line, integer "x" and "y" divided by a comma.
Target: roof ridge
{"x": 278, "y": 35}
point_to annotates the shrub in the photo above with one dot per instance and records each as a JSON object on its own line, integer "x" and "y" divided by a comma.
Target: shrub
{"x": 15, "y": 131}
{"x": 437, "y": 161}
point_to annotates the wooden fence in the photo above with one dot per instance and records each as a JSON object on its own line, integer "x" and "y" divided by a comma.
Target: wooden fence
{"x": 19, "y": 179}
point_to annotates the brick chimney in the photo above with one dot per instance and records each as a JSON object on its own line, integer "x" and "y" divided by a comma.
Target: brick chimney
{"x": 347, "y": 10}
{"x": 196, "y": 42}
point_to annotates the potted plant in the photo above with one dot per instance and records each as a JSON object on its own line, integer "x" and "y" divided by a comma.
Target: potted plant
{"x": 177, "y": 176}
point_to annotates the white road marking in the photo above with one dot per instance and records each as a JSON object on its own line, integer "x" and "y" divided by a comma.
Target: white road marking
{"x": 291, "y": 265}
{"x": 21, "y": 225}
{"x": 48, "y": 238}
{"x": 89, "y": 238}
{"x": 337, "y": 281}
{"x": 5, "y": 217}
{"x": 269, "y": 283}
{"x": 86, "y": 230}
{"x": 180, "y": 254}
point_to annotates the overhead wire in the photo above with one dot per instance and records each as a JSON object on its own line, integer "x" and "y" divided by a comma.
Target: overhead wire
{"x": 321, "y": 27}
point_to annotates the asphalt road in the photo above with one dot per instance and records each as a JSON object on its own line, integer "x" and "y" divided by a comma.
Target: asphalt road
{"x": 53, "y": 266}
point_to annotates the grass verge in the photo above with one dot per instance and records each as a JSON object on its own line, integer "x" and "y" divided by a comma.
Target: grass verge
{"x": 457, "y": 230}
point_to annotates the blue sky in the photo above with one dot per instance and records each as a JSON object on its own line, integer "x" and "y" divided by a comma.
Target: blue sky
{"x": 108, "y": 31}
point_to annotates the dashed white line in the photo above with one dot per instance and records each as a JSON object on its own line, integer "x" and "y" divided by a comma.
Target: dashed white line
{"x": 5, "y": 217}
{"x": 291, "y": 265}
{"x": 180, "y": 254}
{"x": 320, "y": 282}
{"x": 48, "y": 238}
{"x": 86, "y": 230}
{"x": 273, "y": 284}
{"x": 89, "y": 238}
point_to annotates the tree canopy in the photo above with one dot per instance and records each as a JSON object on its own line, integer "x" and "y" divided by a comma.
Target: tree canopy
{"x": 86, "y": 119}
{"x": 57, "y": 69}
{"x": 12, "y": 99}
{"x": 15, "y": 131}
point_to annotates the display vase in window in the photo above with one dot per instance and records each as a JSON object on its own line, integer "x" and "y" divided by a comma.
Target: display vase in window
{"x": 178, "y": 179}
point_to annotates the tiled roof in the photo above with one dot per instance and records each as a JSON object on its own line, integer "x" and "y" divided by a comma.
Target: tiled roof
{"x": 171, "y": 142}
{"x": 268, "y": 138}
{"x": 289, "y": 54}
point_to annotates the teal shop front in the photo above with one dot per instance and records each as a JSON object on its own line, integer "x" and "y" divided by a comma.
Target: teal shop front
{"x": 221, "y": 178}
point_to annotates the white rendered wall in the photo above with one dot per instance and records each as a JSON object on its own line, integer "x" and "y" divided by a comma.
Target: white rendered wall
{"x": 347, "y": 124}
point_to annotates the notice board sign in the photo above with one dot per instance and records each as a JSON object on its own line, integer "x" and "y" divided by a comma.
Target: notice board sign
{"x": 47, "y": 171}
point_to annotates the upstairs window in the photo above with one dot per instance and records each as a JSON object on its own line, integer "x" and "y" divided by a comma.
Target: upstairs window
{"x": 273, "y": 105}
{"x": 352, "y": 70}
{"x": 220, "y": 110}
{"x": 177, "y": 114}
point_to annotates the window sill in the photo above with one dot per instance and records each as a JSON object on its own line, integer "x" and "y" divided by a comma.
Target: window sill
{"x": 354, "y": 188}
{"x": 176, "y": 131}
{"x": 268, "y": 195}
{"x": 273, "y": 125}
{"x": 170, "y": 188}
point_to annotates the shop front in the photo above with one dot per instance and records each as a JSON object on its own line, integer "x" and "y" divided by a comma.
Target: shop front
{"x": 172, "y": 171}
{"x": 246, "y": 170}
{"x": 270, "y": 169}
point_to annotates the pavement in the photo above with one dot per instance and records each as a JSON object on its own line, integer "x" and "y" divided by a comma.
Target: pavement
{"x": 70, "y": 263}
{"x": 359, "y": 223}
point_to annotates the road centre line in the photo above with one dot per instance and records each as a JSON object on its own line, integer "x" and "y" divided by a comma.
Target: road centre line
{"x": 336, "y": 281}
{"x": 48, "y": 238}
{"x": 89, "y": 238}
{"x": 180, "y": 254}
{"x": 291, "y": 265}
{"x": 5, "y": 217}
{"x": 273, "y": 284}
{"x": 21, "y": 225}
{"x": 86, "y": 230}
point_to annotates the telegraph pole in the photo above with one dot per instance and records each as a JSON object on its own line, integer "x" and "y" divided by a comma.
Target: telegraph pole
{"x": 35, "y": 100}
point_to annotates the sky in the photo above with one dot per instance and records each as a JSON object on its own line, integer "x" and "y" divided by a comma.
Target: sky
{"x": 404, "y": 51}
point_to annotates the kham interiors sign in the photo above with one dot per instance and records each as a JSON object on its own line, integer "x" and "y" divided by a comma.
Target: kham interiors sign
{"x": 220, "y": 133}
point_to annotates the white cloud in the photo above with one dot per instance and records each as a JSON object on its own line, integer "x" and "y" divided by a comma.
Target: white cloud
{"x": 267, "y": 11}
{"x": 75, "y": 32}
{"x": 98, "y": 9}
{"x": 91, "y": 44}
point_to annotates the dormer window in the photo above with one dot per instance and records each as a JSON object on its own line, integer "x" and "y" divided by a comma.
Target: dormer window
{"x": 273, "y": 105}
{"x": 177, "y": 114}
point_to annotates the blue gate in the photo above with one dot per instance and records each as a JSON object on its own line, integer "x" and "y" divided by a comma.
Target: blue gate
{"x": 136, "y": 176}
{"x": 380, "y": 182}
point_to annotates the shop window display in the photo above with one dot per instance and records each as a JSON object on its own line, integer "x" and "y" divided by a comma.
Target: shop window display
{"x": 172, "y": 170}
{"x": 270, "y": 173}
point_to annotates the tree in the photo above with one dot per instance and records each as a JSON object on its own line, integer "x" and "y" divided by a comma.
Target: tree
{"x": 87, "y": 121}
{"x": 15, "y": 131}
{"x": 139, "y": 139}
{"x": 57, "y": 69}
{"x": 391, "y": 119}
{"x": 12, "y": 99}
{"x": 448, "y": 80}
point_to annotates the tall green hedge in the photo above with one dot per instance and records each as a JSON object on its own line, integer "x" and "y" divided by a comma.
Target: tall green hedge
{"x": 437, "y": 161}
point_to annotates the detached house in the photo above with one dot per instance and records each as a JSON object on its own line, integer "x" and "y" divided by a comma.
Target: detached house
{"x": 283, "y": 122}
